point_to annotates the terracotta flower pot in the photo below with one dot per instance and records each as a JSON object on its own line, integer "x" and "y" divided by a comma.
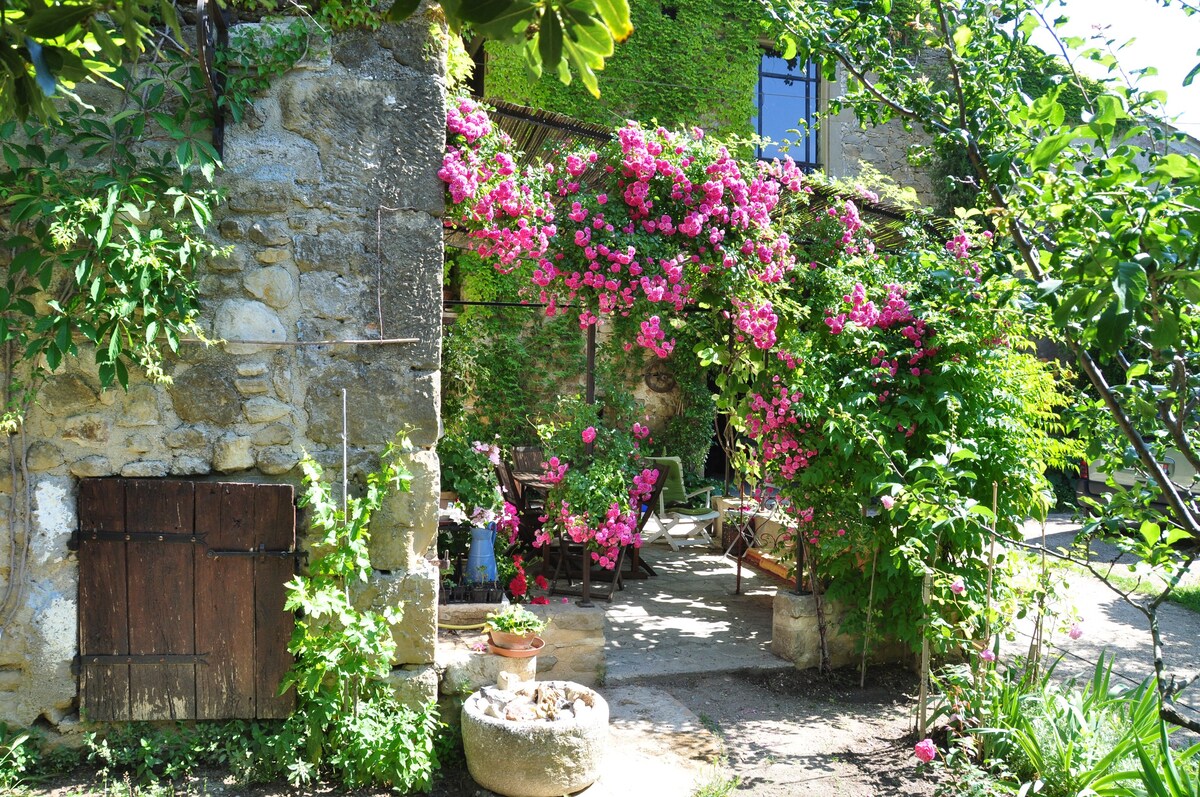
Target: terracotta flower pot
{"x": 503, "y": 639}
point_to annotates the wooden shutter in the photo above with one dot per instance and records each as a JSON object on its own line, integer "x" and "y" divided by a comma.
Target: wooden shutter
{"x": 181, "y": 593}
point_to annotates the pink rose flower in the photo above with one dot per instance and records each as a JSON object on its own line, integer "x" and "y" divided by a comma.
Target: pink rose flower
{"x": 925, "y": 750}
{"x": 589, "y": 434}
{"x": 987, "y": 655}
{"x": 958, "y": 587}
{"x": 887, "y": 501}
{"x": 1075, "y": 631}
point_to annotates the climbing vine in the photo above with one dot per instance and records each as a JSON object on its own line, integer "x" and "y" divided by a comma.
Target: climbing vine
{"x": 688, "y": 62}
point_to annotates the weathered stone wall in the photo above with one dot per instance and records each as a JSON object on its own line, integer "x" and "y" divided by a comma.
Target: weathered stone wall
{"x": 847, "y": 145}
{"x": 333, "y": 219}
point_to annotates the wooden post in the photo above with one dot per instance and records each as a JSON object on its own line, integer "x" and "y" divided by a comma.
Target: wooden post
{"x": 923, "y": 698}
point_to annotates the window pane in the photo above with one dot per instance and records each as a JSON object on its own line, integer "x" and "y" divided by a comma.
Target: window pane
{"x": 787, "y": 100}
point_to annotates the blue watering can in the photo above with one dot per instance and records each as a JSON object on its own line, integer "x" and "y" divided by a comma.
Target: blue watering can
{"x": 481, "y": 559}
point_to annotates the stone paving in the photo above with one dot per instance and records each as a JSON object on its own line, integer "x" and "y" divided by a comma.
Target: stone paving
{"x": 686, "y": 621}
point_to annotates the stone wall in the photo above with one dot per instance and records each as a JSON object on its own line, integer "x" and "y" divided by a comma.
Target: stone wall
{"x": 796, "y": 635}
{"x": 847, "y": 146}
{"x": 333, "y": 218}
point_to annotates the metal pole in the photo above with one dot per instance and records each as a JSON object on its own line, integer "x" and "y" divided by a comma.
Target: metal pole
{"x": 589, "y": 395}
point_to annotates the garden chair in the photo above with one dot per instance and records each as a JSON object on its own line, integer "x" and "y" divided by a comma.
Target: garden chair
{"x": 529, "y": 508}
{"x": 678, "y": 520}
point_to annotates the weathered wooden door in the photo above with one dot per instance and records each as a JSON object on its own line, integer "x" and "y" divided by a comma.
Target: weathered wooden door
{"x": 181, "y": 593}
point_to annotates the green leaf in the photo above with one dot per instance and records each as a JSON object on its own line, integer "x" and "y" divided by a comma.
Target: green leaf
{"x": 1177, "y": 167}
{"x": 550, "y": 39}
{"x": 402, "y": 10}
{"x": 1130, "y": 285}
{"x": 962, "y": 37}
{"x": 55, "y": 20}
{"x": 1048, "y": 148}
{"x": 615, "y": 14}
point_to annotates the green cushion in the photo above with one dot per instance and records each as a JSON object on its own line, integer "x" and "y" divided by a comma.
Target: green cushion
{"x": 673, "y": 490}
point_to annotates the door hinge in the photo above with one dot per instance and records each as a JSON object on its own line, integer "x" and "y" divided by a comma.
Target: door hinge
{"x": 78, "y": 536}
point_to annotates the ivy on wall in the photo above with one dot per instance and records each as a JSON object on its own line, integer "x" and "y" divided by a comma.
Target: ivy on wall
{"x": 501, "y": 365}
{"x": 688, "y": 62}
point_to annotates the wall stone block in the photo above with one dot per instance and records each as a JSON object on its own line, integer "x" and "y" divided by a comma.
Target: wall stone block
{"x": 205, "y": 393}
{"x": 273, "y": 285}
{"x": 242, "y": 319}
{"x": 233, "y": 454}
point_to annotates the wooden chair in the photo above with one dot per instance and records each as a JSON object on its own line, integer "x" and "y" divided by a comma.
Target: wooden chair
{"x": 529, "y": 511}
{"x": 678, "y": 520}
{"x": 573, "y": 557}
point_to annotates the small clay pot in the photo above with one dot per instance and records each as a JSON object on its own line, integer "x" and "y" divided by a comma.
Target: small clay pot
{"x": 503, "y": 639}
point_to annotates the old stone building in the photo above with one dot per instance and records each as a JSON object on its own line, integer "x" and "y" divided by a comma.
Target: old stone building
{"x": 333, "y": 218}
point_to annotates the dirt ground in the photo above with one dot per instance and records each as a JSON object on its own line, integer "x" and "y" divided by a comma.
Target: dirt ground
{"x": 785, "y": 733}
{"x": 800, "y": 733}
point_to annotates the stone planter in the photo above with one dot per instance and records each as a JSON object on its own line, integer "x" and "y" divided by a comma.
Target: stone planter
{"x": 535, "y": 757}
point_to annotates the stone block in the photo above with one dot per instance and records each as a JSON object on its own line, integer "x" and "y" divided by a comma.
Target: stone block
{"x": 277, "y": 460}
{"x": 273, "y": 285}
{"x": 187, "y": 437}
{"x": 139, "y": 407}
{"x": 233, "y": 454}
{"x": 145, "y": 469}
{"x": 91, "y": 467}
{"x": 232, "y": 229}
{"x": 358, "y": 122}
{"x": 465, "y": 670}
{"x": 205, "y": 393}
{"x": 383, "y": 397}
{"x": 244, "y": 320}
{"x": 236, "y": 259}
{"x": 277, "y": 434}
{"x": 264, "y": 410}
{"x": 331, "y": 251}
{"x": 252, "y": 387}
{"x": 416, "y": 686}
{"x": 190, "y": 465}
{"x": 249, "y": 368}
{"x": 43, "y": 456}
{"x": 406, "y": 524}
{"x": 416, "y": 593}
{"x": 268, "y": 234}
{"x": 796, "y": 638}
{"x": 86, "y": 429}
{"x": 411, "y": 254}
{"x": 326, "y": 294}
{"x": 66, "y": 394}
{"x": 272, "y": 256}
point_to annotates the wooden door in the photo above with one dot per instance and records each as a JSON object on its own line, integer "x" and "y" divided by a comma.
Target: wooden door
{"x": 181, "y": 595}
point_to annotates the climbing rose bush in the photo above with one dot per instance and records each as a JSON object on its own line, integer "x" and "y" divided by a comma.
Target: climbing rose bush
{"x": 880, "y": 393}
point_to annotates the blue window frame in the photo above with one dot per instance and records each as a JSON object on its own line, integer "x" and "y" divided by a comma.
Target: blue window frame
{"x": 788, "y": 99}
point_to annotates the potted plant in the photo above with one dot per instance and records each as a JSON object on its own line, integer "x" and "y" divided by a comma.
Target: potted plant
{"x": 468, "y": 470}
{"x": 514, "y": 627}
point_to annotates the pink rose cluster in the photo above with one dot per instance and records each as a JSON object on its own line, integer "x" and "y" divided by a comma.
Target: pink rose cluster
{"x": 758, "y": 322}
{"x": 671, "y": 209}
{"x": 617, "y": 528}
{"x": 774, "y": 422}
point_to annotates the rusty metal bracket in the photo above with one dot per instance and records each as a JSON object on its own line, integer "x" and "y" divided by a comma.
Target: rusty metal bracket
{"x": 78, "y": 536}
{"x": 260, "y": 551}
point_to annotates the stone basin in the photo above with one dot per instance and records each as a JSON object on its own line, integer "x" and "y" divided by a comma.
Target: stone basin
{"x": 535, "y": 757}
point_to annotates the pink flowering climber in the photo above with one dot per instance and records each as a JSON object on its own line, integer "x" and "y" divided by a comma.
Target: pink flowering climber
{"x": 589, "y": 434}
